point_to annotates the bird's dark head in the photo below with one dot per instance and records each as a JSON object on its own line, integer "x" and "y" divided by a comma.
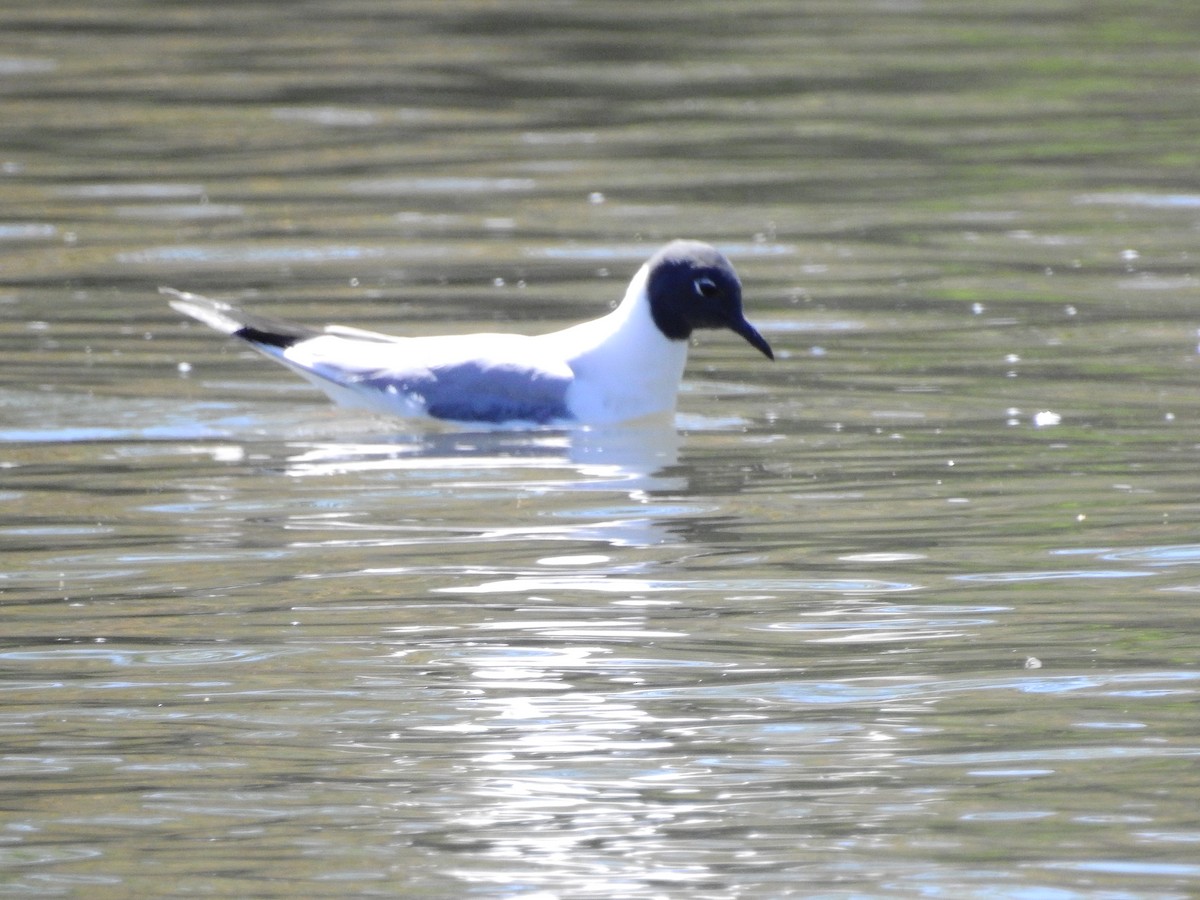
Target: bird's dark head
{"x": 691, "y": 285}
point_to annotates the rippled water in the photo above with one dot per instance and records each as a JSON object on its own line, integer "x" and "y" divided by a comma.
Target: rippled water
{"x": 909, "y": 612}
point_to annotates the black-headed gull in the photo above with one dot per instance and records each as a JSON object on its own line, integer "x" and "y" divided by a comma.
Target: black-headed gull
{"x": 622, "y": 366}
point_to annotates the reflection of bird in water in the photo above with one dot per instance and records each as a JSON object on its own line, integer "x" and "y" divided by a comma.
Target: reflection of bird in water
{"x": 622, "y": 366}
{"x": 593, "y": 465}
{"x": 631, "y": 456}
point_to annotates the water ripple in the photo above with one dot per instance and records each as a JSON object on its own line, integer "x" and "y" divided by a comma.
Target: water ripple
{"x": 618, "y": 585}
{"x": 433, "y": 185}
{"x": 874, "y": 691}
{"x": 1135, "y": 868}
{"x": 1063, "y": 575}
{"x": 1180, "y": 553}
{"x": 42, "y": 855}
{"x": 244, "y": 254}
{"x": 1050, "y": 755}
{"x": 1163, "y": 201}
{"x": 123, "y": 656}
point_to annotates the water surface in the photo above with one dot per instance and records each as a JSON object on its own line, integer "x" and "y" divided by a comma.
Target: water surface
{"x": 909, "y": 612}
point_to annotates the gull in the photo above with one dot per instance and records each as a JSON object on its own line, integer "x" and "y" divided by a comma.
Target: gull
{"x": 623, "y": 366}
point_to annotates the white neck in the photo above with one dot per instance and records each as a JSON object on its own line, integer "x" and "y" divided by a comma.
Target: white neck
{"x": 624, "y": 367}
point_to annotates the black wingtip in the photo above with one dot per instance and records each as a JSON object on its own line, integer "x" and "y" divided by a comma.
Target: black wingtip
{"x": 267, "y": 338}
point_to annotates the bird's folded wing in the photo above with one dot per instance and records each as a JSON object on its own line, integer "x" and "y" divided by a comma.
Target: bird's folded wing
{"x": 507, "y": 383}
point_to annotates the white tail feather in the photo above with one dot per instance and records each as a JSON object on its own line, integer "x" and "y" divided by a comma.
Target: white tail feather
{"x": 214, "y": 314}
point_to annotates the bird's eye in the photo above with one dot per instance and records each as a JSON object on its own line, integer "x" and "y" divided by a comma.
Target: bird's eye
{"x": 706, "y": 287}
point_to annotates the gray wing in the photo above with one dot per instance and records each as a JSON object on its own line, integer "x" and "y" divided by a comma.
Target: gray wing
{"x": 475, "y": 391}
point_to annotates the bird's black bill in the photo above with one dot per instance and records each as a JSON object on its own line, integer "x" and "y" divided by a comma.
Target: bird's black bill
{"x": 753, "y": 338}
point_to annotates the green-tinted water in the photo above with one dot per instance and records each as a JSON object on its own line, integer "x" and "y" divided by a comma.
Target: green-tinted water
{"x": 908, "y": 612}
